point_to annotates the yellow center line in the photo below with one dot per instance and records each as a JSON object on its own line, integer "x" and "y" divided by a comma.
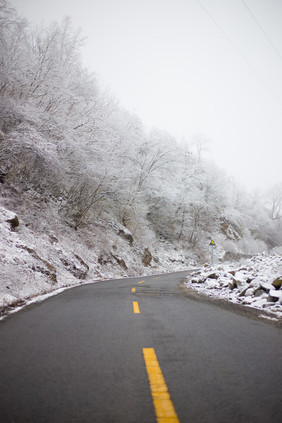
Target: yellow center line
{"x": 136, "y": 307}
{"x": 141, "y": 281}
{"x": 133, "y": 290}
{"x": 157, "y": 277}
{"x": 164, "y": 408}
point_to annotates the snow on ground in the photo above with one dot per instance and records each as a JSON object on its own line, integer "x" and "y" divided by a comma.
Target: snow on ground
{"x": 41, "y": 258}
{"x": 257, "y": 283}
{"x": 33, "y": 264}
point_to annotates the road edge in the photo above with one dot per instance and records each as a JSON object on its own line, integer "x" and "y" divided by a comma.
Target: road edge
{"x": 244, "y": 310}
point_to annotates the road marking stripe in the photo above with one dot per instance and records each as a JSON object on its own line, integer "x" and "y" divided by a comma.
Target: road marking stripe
{"x": 136, "y": 307}
{"x": 141, "y": 281}
{"x": 157, "y": 277}
{"x": 164, "y": 408}
{"x": 133, "y": 290}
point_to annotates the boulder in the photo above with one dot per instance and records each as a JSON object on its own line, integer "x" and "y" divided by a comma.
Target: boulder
{"x": 124, "y": 233}
{"x": 14, "y": 222}
{"x": 232, "y": 284}
{"x": 75, "y": 265}
{"x": 244, "y": 291}
{"x": 249, "y": 292}
{"x": 237, "y": 282}
{"x": 48, "y": 269}
{"x": 120, "y": 262}
{"x": 277, "y": 283}
{"x": 213, "y": 276}
{"x": 258, "y": 292}
{"x": 198, "y": 280}
{"x": 274, "y": 296}
{"x": 9, "y": 217}
{"x": 147, "y": 257}
{"x": 266, "y": 286}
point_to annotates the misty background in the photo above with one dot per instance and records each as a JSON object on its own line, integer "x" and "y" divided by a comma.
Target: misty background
{"x": 209, "y": 69}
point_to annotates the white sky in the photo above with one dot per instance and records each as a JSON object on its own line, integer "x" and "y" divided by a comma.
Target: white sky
{"x": 191, "y": 67}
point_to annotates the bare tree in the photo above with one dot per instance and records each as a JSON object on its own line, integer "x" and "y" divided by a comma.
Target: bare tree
{"x": 275, "y": 196}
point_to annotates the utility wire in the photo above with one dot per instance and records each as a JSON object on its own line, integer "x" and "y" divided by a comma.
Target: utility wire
{"x": 239, "y": 53}
{"x": 262, "y": 30}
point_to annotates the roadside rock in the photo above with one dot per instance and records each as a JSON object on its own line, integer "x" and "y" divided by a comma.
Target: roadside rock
{"x": 266, "y": 286}
{"x": 124, "y": 233}
{"x": 147, "y": 257}
{"x": 213, "y": 276}
{"x": 48, "y": 269}
{"x": 258, "y": 292}
{"x": 106, "y": 259}
{"x": 253, "y": 285}
{"x": 244, "y": 291}
{"x": 120, "y": 262}
{"x": 277, "y": 283}
{"x": 9, "y": 217}
{"x": 77, "y": 267}
{"x": 274, "y": 296}
{"x": 14, "y": 222}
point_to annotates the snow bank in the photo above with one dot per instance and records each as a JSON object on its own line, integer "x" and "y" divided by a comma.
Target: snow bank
{"x": 257, "y": 283}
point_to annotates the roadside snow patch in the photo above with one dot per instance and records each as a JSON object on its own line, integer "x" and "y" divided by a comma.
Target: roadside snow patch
{"x": 257, "y": 284}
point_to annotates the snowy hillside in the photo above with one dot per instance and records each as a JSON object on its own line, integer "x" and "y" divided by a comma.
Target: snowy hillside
{"x": 39, "y": 260}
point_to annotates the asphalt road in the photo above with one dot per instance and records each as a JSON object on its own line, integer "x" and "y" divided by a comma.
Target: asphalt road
{"x": 78, "y": 357}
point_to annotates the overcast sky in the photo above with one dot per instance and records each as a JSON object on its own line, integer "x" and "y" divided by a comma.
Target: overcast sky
{"x": 209, "y": 68}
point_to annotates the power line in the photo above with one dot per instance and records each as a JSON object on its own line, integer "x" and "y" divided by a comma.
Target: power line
{"x": 239, "y": 52}
{"x": 262, "y": 30}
